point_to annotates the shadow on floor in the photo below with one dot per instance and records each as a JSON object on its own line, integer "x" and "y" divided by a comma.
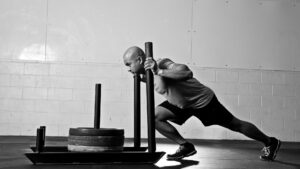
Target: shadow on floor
{"x": 297, "y": 165}
{"x": 183, "y": 164}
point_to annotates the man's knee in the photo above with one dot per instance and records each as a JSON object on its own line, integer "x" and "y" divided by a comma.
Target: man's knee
{"x": 162, "y": 114}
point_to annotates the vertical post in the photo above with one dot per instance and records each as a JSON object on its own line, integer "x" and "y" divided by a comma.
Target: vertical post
{"x": 150, "y": 101}
{"x": 137, "y": 111}
{"x": 97, "y": 106}
{"x": 39, "y": 139}
{"x": 43, "y": 132}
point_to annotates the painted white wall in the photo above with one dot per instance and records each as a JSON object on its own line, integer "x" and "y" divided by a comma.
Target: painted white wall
{"x": 256, "y": 34}
{"x": 53, "y": 52}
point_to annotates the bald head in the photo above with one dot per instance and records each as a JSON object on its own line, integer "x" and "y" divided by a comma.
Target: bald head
{"x": 133, "y": 52}
{"x": 134, "y": 58}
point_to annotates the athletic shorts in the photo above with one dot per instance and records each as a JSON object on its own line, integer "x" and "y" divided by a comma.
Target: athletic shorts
{"x": 212, "y": 114}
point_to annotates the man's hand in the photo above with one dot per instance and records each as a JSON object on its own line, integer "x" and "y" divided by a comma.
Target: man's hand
{"x": 151, "y": 64}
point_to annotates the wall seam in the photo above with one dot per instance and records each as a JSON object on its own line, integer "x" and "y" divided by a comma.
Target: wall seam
{"x": 191, "y": 32}
{"x": 46, "y": 31}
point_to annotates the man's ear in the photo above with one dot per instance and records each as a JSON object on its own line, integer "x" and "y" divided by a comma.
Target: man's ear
{"x": 140, "y": 60}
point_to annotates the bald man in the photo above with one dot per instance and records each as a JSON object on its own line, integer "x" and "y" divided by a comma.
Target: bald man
{"x": 186, "y": 97}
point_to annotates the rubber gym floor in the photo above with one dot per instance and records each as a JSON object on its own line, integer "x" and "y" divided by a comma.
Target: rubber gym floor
{"x": 212, "y": 154}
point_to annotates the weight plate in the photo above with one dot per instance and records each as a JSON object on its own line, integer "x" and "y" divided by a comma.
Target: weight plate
{"x": 76, "y": 148}
{"x": 96, "y": 140}
{"x": 81, "y": 131}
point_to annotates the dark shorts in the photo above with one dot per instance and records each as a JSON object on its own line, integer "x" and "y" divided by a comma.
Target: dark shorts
{"x": 213, "y": 113}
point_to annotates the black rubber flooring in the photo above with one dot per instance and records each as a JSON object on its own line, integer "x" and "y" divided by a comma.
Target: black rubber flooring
{"x": 212, "y": 154}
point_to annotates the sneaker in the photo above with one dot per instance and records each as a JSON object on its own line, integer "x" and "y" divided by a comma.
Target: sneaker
{"x": 270, "y": 152}
{"x": 184, "y": 150}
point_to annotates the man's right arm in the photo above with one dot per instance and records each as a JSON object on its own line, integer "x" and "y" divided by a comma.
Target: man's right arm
{"x": 169, "y": 69}
{"x": 143, "y": 78}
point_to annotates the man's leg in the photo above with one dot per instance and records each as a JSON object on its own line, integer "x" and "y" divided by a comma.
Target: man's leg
{"x": 164, "y": 127}
{"x": 248, "y": 129}
{"x": 162, "y": 115}
{"x": 272, "y": 144}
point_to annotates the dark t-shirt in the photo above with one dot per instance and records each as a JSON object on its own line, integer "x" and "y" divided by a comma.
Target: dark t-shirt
{"x": 188, "y": 93}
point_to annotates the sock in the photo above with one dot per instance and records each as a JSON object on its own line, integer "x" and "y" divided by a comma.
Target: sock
{"x": 186, "y": 144}
{"x": 272, "y": 141}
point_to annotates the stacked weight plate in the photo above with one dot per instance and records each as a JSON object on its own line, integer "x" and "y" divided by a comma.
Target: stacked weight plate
{"x": 95, "y": 140}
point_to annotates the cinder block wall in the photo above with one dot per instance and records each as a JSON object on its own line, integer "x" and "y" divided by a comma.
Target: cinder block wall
{"x": 51, "y": 57}
{"x": 61, "y": 96}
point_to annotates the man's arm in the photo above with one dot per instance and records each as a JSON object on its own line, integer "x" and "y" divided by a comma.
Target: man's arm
{"x": 168, "y": 69}
{"x": 143, "y": 78}
{"x": 175, "y": 71}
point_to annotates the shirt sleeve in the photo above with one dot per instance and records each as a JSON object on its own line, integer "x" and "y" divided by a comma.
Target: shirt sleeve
{"x": 165, "y": 63}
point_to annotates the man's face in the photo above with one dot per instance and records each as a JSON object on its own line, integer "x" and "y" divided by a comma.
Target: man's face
{"x": 134, "y": 65}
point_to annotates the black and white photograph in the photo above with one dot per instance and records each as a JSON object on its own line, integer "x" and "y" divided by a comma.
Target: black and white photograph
{"x": 149, "y": 84}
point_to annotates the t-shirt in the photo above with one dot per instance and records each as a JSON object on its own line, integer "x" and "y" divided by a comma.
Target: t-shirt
{"x": 189, "y": 93}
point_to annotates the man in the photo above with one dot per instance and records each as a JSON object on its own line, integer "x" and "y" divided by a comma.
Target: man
{"x": 186, "y": 97}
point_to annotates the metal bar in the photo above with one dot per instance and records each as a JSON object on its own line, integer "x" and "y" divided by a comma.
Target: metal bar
{"x": 61, "y": 149}
{"x": 39, "y": 140}
{"x": 150, "y": 101}
{"x": 94, "y": 158}
{"x": 43, "y": 132}
{"x": 137, "y": 111}
{"x": 97, "y": 106}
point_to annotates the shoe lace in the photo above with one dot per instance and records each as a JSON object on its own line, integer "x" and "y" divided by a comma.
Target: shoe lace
{"x": 266, "y": 151}
{"x": 179, "y": 149}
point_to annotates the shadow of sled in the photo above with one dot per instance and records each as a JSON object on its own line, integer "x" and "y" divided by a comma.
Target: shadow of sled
{"x": 183, "y": 164}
